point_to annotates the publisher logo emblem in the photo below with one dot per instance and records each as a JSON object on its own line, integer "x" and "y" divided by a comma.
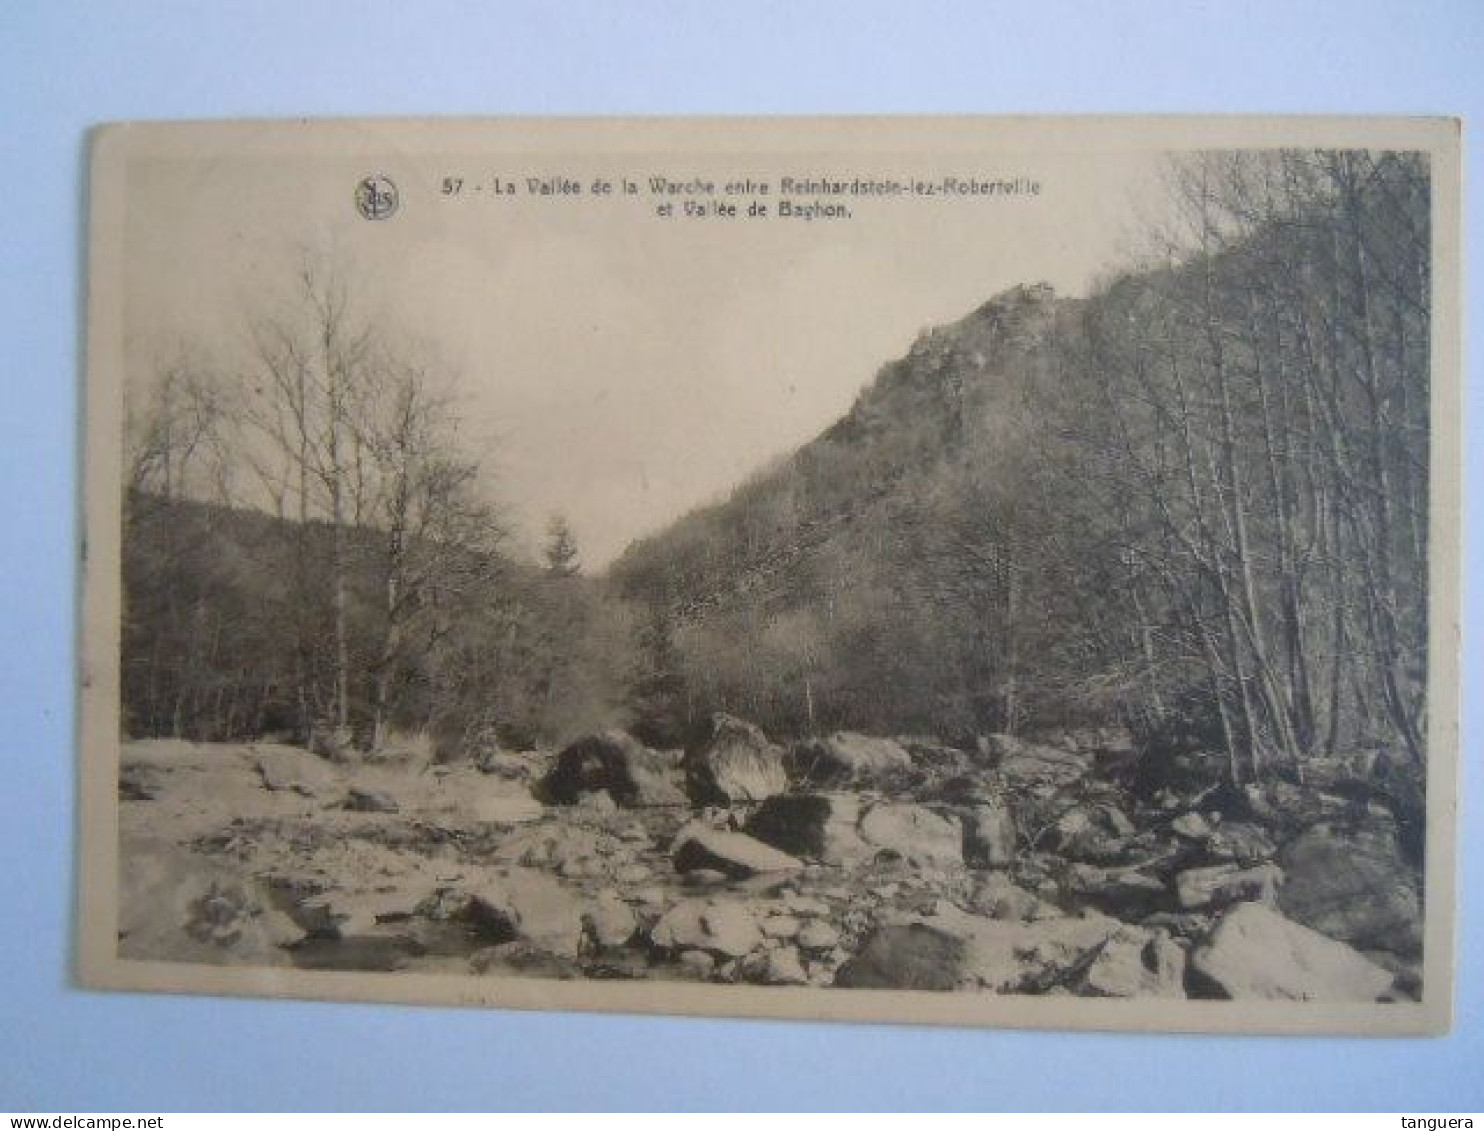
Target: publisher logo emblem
{"x": 377, "y": 197}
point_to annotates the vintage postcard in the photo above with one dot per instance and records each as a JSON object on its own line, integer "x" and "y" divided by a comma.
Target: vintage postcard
{"x": 972, "y": 571}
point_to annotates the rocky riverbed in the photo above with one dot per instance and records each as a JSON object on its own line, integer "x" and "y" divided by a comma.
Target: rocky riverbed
{"x": 1070, "y": 865}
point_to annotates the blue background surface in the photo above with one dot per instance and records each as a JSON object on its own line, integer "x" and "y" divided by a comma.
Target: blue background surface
{"x": 65, "y": 66}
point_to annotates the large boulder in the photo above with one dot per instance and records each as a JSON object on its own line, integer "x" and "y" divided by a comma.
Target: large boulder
{"x": 846, "y": 758}
{"x": 733, "y": 761}
{"x": 521, "y": 903}
{"x": 1353, "y": 885}
{"x": 817, "y": 826}
{"x": 1255, "y": 953}
{"x": 914, "y": 833}
{"x": 620, "y": 765}
{"x": 738, "y": 855}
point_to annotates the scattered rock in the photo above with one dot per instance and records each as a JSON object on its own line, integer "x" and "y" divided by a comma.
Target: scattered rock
{"x": 633, "y": 873}
{"x": 805, "y": 904}
{"x": 846, "y": 758}
{"x": 818, "y": 936}
{"x": 781, "y": 967}
{"x": 369, "y": 801}
{"x": 962, "y": 790}
{"x": 553, "y": 845}
{"x": 1193, "y": 925}
{"x": 697, "y": 963}
{"x": 837, "y": 887}
{"x": 1134, "y": 965}
{"x": 1025, "y": 762}
{"x": 914, "y": 833}
{"x": 780, "y": 927}
{"x": 1224, "y": 884}
{"x": 1128, "y": 888}
{"x": 350, "y": 913}
{"x": 609, "y": 920}
{"x": 335, "y": 743}
{"x": 410, "y": 752}
{"x": 1255, "y": 953}
{"x": 911, "y": 956}
{"x": 517, "y": 956}
{"x": 933, "y": 756}
{"x": 1353, "y": 885}
{"x": 819, "y": 826}
{"x": 176, "y": 908}
{"x": 999, "y": 897}
{"x": 507, "y": 810}
{"x": 1091, "y": 833}
{"x": 1407, "y": 975}
{"x": 289, "y": 769}
{"x": 720, "y": 927}
{"x": 523, "y": 766}
{"x": 140, "y": 783}
{"x": 1241, "y": 842}
{"x": 1192, "y": 826}
{"x": 989, "y": 835}
{"x": 699, "y": 846}
{"x": 1181, "y": 772}
{"x": 1010, "y": 957}
{"x": 732, "y": 762}
{"x": 953, "y": 950}
{"x": 596, "y": 806}
{"x": 704, "y": 878}
{"x": 629, "y": 772}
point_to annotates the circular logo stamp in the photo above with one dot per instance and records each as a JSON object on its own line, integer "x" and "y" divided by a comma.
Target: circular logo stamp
{"x": 377, "y": 197}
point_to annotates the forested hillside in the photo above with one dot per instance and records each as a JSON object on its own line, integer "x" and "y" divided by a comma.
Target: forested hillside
{"x": 229, "y": 633}
{"x": 866, "y": 582}
{"x": 1194, "y": 502}
{"x": 311, "y": 549}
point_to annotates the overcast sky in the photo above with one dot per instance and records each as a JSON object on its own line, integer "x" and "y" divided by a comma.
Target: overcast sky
{"x": 617, "y": 368}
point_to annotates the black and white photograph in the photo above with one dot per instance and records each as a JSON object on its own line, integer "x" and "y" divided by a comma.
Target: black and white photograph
{"x": 973, "y": 571}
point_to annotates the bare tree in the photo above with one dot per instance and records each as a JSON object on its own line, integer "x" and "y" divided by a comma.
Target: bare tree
{"x": 316, "y": 359}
